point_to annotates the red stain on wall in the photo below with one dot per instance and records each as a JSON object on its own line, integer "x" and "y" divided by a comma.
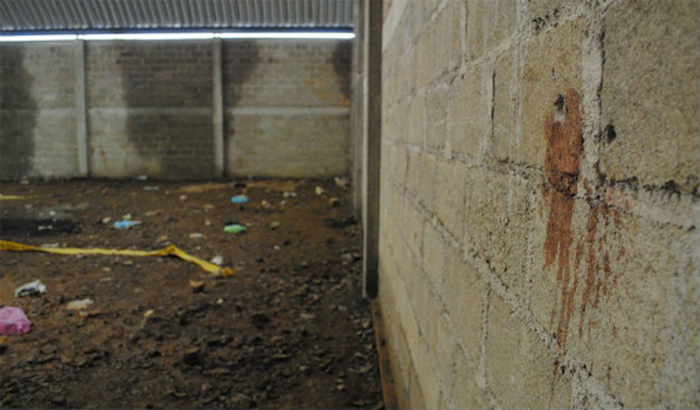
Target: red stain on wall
{"x": 564, "y": 133}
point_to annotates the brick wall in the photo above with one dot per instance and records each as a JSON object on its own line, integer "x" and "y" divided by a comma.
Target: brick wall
{"x": 150, "y": 106}
{"x": 150, "y": 109}
{"x": 287, "y": 108}
{"x": 37, "y": 110}
{"x": 540, "y": 202}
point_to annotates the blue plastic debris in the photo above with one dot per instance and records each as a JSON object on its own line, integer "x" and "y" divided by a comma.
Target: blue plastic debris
{"x": 240, "y": 199}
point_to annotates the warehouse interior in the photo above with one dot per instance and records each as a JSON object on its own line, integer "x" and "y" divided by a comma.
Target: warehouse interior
{"x": 447, "y": 203}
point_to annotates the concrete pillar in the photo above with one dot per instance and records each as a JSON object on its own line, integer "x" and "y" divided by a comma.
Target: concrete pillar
{"x": 372, "y": 144}
{"x": 358, "y": 106}
{"x": 81, "y": 116}
{"x": 218, "y": 110}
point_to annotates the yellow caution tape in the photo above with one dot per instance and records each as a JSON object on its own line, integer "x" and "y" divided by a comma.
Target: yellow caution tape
{"x": 10, "y": 197}
{"x": 171, "y": 250}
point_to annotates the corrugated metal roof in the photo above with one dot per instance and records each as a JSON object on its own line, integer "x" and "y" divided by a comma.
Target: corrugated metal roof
{"x": 89, "y": 15}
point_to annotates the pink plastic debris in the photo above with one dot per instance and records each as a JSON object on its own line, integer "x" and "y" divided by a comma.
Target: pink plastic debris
{"x": 13, "y": 321}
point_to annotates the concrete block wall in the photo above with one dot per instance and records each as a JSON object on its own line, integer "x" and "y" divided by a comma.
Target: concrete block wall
{"x": 134, "y": 108}
{"x": 37, "y": 110}
{"x": 287, "y": 108}
{"x": 540, "y": 203}
{"x": 150, "y": 109}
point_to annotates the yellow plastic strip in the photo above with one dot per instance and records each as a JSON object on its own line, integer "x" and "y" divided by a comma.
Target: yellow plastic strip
{"x": 10, "y": 197}
{"x": 171, "y": 250}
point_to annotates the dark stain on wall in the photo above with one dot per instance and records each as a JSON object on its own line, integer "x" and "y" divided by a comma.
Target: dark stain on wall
{"x": 239, "y": 59}
{"x": 16, "y": 127}
{"x": 342, "y": 64}
{"x": 167, "y": 76}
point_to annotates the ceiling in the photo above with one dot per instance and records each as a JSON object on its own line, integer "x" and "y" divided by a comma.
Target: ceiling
{"x": 125, "y": 15}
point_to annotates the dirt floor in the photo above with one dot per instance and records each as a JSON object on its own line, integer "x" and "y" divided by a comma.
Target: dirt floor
{"x": 289, "y": 329}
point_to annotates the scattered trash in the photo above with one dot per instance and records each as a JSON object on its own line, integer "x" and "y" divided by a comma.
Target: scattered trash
{"x": 106, "y": 220}
{"x": 30, "y": 289}
{"x": 235, "y": 229}
{"x": 169, "y": 251}
{"x": 151, "y": 188}
{"x": 340, "y": 182}
{"x": 125, "y": 224}
{"x": 265, "y": 204}
{"x": 183, "y": 197}
{"x": 274, "y": 225}
{"x": 13, "y": 321}
{"x": 197, "y": 285}
{"x": 219, "y": 301}
{"x": 319, "y": 190}
{"x": 307, "y": 316}
{"x": 196, "y": 235}
{"x": 240, "y": 199}
{"x": 334, "y": 202}
{"x": 217, "y": 260}
{"x": 127, "y": 217}
{"x": 290, "y": 194}
{"x": 50, "y": 245}
{"x": 142, "y": 177}
{"x": 81, "y": 304}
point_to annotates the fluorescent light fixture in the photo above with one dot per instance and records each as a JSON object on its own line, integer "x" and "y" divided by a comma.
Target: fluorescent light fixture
{"x": 287, "y": 35}
{"x": 37, "y": 37}
{"x": 145, "y": 36}
{"x": 165, "y": 36}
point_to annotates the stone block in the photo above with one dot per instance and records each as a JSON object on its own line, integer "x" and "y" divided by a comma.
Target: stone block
{"x": 475, "y": 30}
{"x": 450, "y": 195}
{"x": 458, "y": 13}
{"x": 520, "y": 371}
{"x": 416, "y": 120}
{"x": 427, "y": 175}
{"x": 649, "y": 96}
{"x": 553, "y": 68}
{"x": 499, "y": 217}
{"x": 433, "y": 257}
{"x": 500, "y": 22}
{"x": 505, "y": 107}
{"x": 464, "y": 393}
{"x": 436, "y": 101}
{"x": 465, "y": 298}
{"x": 469, "y": 115}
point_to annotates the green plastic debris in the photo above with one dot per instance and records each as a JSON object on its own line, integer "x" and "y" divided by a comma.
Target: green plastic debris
{"x": 235, "y": 229}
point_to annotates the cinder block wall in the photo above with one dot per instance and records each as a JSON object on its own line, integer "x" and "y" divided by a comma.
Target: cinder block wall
{"x": 287, "y": 108}
{"x": 37, "y": 110}
{"x": 539, "y": 242}
{"x": 149, "y": 109}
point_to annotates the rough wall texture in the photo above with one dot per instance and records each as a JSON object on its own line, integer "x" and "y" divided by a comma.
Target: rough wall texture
{"x": 37, "y": 117}
{"x": 150, "y": 109}
{"x": 287, "y": 108}
{"x": 539, "y": 216}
